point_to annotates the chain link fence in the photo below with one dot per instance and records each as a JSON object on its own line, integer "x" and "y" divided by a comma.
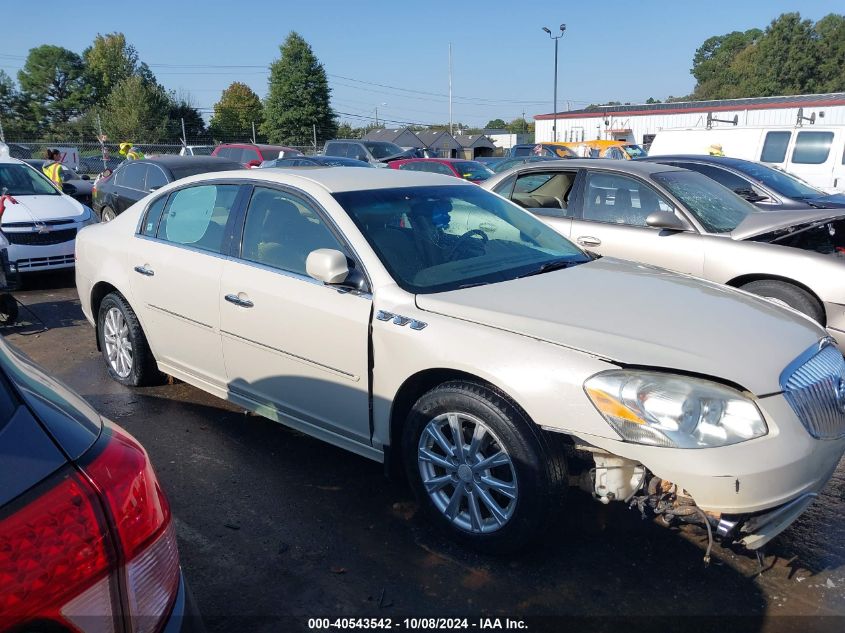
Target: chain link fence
{"x": 92, "y": 158}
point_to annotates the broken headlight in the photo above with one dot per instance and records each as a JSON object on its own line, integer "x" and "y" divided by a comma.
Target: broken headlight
{"x": 673, "y": 411}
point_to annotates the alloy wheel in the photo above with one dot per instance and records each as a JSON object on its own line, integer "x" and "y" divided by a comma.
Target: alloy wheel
{"x": 467, "y": 473}
{"x": 117, "y": 342}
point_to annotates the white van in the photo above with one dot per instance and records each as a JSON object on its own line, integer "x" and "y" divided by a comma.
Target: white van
{"x": 814, "y": 153}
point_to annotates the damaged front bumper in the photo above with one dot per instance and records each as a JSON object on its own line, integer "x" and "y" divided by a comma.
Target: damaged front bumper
{"x": 748, "y": 492}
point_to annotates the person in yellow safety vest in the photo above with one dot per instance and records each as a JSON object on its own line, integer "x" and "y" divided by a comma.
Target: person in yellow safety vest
{"x": 53, "y": 167}
{"x": 129, "y": 152}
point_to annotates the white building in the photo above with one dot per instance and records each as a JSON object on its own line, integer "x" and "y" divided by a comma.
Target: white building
{"x": 503, "y": 139}
{"x": 639, "y": 123}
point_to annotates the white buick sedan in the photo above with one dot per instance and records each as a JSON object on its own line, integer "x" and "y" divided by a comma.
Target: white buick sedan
{"x": 431, "y": 325}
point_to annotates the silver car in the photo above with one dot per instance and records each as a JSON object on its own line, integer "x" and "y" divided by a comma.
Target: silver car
{"x": 686, "y": 222}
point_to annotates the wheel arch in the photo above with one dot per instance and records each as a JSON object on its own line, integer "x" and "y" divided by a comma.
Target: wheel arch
{"x": 740, "y": 281}
{"x": 99, "y": 292}
{"x": 412, "y": 389}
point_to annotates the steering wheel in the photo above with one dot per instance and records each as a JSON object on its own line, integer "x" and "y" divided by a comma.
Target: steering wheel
{"x": 464, "y": 239}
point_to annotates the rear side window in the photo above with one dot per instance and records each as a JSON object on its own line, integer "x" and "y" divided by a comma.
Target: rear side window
{"x": 197, "y": 216}
{"x": 774, "y": 147}
{"x": 335, "y": 149}
{"x": 812, "y": 148}
{"x": 134, "y": 177}
{"x": 155, "y": 178}
{"x": 153, "y": 216}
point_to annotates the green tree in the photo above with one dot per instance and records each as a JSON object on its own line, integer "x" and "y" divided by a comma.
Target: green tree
{"x": 651, "y": 100}
{"x": 136, "y": 111}
{"x": 495, "y": 124}
{"x": 345, "y": 130}
{"x": 235, "y": 113}
{"x": 520, "y": 126}
{"x": 53, "y": 87}
{"x": 298, "y": 98}
{"x": 110, "y": 60}
{"x": 15, "y": 126}
{"x": 831, "y": 49}
{"x": 182, "y": 108}
{"x": 711, "y": 64}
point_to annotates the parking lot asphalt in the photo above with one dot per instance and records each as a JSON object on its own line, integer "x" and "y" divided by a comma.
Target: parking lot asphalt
{"x": 275, "y": 527}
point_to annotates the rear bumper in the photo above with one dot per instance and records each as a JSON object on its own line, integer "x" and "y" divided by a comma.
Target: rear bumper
{"x": 185, "y": 617}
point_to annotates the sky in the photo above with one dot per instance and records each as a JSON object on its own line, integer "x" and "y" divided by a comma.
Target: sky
{"x": 393, "y": 56}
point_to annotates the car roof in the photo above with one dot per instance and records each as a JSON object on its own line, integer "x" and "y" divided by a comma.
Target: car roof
{"x": 260, "y": 146}
{"x": 172, "y": 160}
{"x": 727, "y": 161}
{"x": 337, "y": 180}
{"x": 642, "y": 168}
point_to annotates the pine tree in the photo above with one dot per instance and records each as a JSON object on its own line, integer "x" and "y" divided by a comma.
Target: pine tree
{"x": 298, "y": 97}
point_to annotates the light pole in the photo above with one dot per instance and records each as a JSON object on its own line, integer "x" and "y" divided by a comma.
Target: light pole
{"x": 555, "y": 38}
{"x": 377, "y": 107}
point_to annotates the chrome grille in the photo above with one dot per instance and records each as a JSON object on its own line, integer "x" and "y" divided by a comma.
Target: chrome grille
{"x": 814, "y": 386}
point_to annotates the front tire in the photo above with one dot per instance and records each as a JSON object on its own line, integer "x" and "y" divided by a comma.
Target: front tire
{"x": 787, "y": 294}
{"x": 480, "y": 469}
{"x": 107, "y": 214}
{"x": 124, "y": 346}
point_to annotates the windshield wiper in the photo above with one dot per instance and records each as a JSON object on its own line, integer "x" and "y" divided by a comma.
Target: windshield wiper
{"x": 558, "y": 264}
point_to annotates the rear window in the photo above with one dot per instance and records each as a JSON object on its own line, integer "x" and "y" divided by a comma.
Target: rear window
{"x": 812, "y": 148}
{"x": 774, "y": 147}
{"x": 183, "y": 171}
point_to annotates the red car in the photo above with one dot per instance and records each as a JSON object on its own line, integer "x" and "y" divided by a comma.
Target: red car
{"x": 250, "y": 155}
{"x": 466, "y": 169}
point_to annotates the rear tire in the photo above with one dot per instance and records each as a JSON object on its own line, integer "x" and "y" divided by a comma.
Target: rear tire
{"x": 107, "y": 214}
{"x": 789, "y": 294}
{"x": 8, "y": 309}
{"x": 508, "y": 480}
{"x": 124, "y": 346}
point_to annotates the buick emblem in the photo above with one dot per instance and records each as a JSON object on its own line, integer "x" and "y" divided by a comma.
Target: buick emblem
{"x": 839, "y": 394}
{"x": 42, "y": 228}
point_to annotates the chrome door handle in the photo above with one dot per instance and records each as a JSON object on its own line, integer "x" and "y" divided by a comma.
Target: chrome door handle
{"x": 588, "y": 240}
{"x": 149, "y": 272}
{"x": 244, "y": 303}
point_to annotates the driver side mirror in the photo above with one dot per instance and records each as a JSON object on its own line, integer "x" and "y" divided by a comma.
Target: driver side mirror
{"x": 327, "y": 265}
{"x": 667, "y": 220}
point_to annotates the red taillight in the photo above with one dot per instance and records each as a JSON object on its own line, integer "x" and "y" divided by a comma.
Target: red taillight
{"x": 125, "y": 478}
{"x": 65, "y": 548}
{"x": 51, "y": 549}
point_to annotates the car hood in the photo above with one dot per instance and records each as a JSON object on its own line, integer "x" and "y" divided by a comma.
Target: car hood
{"x": 42, "y": 208}
{"x": 765, "y": 221}
{"x": 639, "y": 315}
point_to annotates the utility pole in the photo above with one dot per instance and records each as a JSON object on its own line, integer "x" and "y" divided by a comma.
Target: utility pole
{"x": 102, "y": 138}
{"x": 2, "y": 135}
{"x": 253, "y": 132}
{"x": 555, "y": 38}
{"x": 314, "y": 128}
{"x": 184, "y": 136}
{"x": 376, "y": 116}
{"x": 450, "y": 88}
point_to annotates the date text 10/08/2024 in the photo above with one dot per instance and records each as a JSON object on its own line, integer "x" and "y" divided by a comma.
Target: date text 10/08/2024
{"x": 413, "y": 624}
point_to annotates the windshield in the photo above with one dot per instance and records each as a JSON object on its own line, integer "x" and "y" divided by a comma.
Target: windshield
{"x": 471, "y": 170}
{"x": 435, "y": 239}
{"x": 23, "y": 180}
{"x": 382, "y": 149}
{"x": 717, "y": 208}
{"x": 780, "y": 181}
{"x": 634, "y": 151}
